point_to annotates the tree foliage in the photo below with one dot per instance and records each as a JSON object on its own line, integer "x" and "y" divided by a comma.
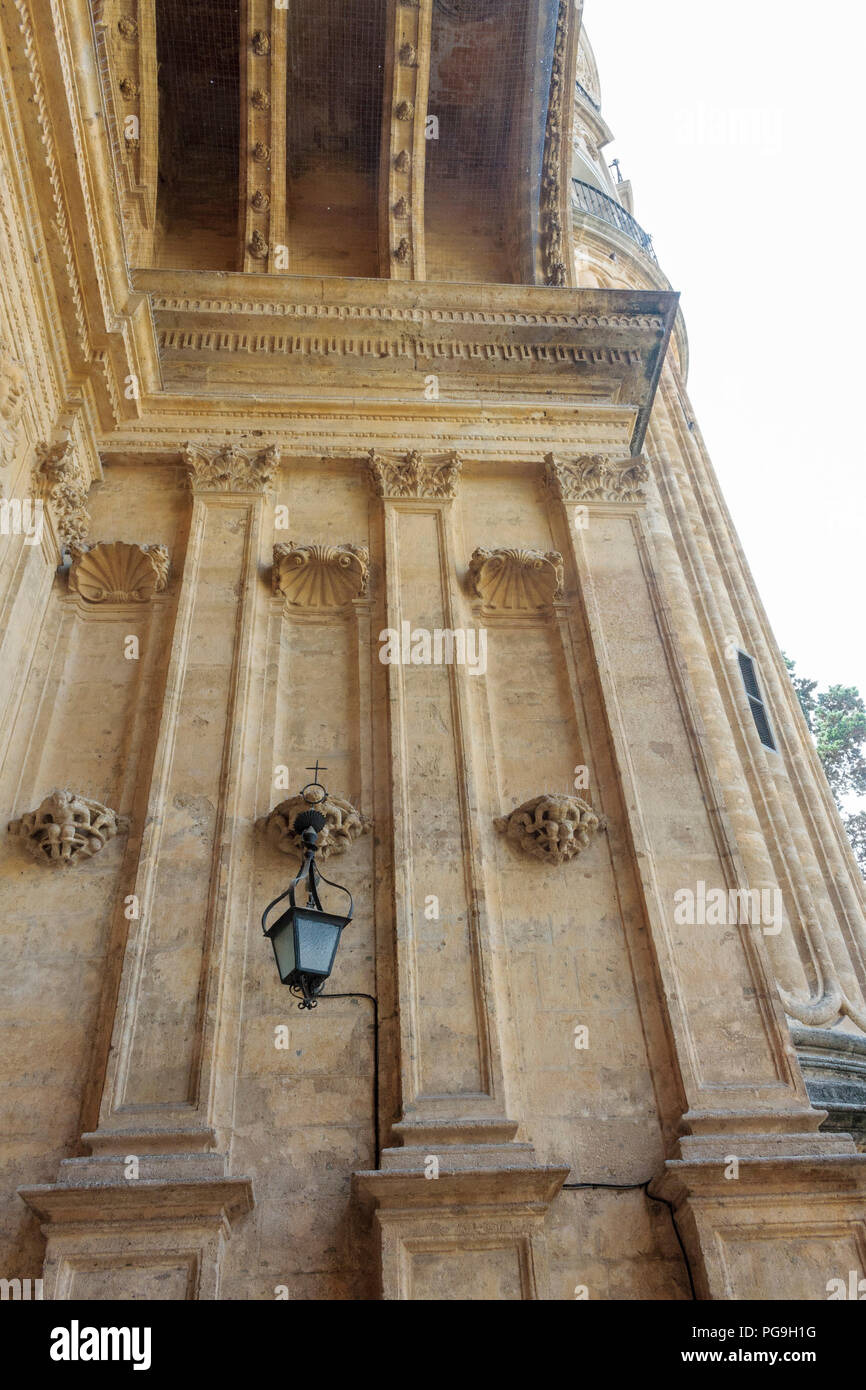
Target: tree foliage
{"x": 837, "y": 720}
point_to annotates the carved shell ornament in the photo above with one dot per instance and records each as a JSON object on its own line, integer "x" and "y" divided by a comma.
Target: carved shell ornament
{"x": 343, "y": 825}
{"x": 552, "y": 828}
{"x": 117, "y": 572}
{"x": 516, "y": 580}
{"x": 67, "y": 827}
{"x": 320, "y": 576}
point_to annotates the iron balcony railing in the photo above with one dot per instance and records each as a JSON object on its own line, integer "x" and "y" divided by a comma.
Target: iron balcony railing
{"x": 598, "y": 204}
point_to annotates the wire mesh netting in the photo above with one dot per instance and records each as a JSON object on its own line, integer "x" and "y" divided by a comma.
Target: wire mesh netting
{"x": 198, "y": 57}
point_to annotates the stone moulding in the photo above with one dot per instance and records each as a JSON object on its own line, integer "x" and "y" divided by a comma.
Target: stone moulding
{"x": 595, "y": 478}
{"x": 343, "y": 826}
{"x": 320, "y": 576}
{"x": 118, "y": 572}
{"x": 13, "y": 387}
{"x": 413, "y": 475}
{"x": 67, "y": 827}
{"x": 226, "y": 468}
{"x": 552, "y": 828}
{"x": 516, "y": 580}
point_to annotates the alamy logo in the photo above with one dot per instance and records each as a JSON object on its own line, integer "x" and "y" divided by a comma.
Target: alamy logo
{"x": 441, "y": 646}
{"x": 76, "y": 1343}
{"x": 729, "y": 907}
{"x": 20, "y": 1290}
{"x": 19, "y": 518}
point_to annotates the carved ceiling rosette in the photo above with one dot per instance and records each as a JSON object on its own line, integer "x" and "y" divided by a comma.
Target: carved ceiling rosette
{"x": 516, "y": 581}
{"x": 595, "y": 478}
{"x": 320, "y": 576}
{"x": 414, "y": 475}
{"x": 59, "y": 480}
{"x": 226, "y": 468}
{"x": 552, "y": 828}
{"x": 67, "y": 827}
{"x": 343, "y": 826}
{"x": 118, "y": 572}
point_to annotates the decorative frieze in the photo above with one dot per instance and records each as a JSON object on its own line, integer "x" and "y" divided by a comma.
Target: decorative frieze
{"x": 226, "y": 468}
{"x": 596, "y": 478}
{"x": 516, "y": 581}
{"x": 320, "y": 576}
{"x": 415, "y": 476}
{"x": 67, "y": 827}
{"x": 552, "y": 244}
{"x": 552, "y": 828}
{"x": 343, "y": 826}
{"x": 13, "y": 387}
{"x": 118, "y": 572}
{"x": 59, "y": 480}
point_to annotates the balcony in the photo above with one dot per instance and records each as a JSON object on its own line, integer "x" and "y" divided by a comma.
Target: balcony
{"x": 591, "y": 200}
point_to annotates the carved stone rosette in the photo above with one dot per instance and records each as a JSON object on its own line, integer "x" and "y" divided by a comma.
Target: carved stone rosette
{"x": 67, "y": 827}
{"x": 343, "y": 826}
{"x": 320, "y": 576}
{"x": 552, "y": 828}
{"x": 516, "y": 580}
{"x": 117, "y": 572}
{"x": 594, "y": 478}
{"x": 226, "y": 468}
{"x": 415, "y": 476}
{"x": 59, "y": 480}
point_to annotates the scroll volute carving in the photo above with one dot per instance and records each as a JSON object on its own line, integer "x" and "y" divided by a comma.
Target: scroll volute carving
{"x": 320, "y": 576}
{"x": 118, "y": 572}
{"x": 516, "y": 580}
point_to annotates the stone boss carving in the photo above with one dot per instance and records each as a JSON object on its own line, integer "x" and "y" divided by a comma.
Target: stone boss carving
{"x": 67, "y": 827}
{"x": 343, "y": 825}
{"x": 552, "y": 828}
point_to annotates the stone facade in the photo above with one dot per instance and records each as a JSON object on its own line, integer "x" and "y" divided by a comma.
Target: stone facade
{"x": 453, "y": 532}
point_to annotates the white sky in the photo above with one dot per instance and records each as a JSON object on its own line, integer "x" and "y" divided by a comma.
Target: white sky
{"x": 741, "y": 127}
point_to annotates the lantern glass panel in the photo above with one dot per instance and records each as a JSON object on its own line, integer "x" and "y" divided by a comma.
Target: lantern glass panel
{"x": 282, "y": 935}
{"x": 317, "y": 935}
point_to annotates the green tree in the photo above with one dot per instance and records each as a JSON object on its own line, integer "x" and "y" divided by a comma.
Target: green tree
{"x": 837, "y": 720}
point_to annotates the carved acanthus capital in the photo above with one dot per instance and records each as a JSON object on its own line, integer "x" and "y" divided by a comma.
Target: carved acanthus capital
{"x": 343, "y": 825}
{"x": 225, "y": 468}
{"x": 415, "y": 476}
{"x": 117, "y": 572}
{"x": 595, "y": 478}
{"x": 13, "y": 388}
{"x": 320, "y": 576}
{"x": 59, "y": 480}
{"x": 516, "y": 580}
{"x": 552, "y": 828}
{"x": 67, "y": 827}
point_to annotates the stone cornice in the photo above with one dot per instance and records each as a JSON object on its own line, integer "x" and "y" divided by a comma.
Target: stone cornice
{"x": 386, "y": 338}
{"x": 220, "y": 1200}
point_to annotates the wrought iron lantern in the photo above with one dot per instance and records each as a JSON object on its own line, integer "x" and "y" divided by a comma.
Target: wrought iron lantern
{"x": 305, "y": 939}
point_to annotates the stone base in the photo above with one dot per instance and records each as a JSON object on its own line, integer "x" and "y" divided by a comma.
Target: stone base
{"x": 461, "y": 1220}
{"x": 782, "y": 1228}
{"x": 144, "y": 1240}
